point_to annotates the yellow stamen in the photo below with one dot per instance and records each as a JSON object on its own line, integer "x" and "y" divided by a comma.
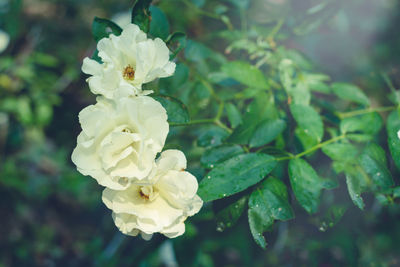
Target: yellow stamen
{"x": 129, "y": 73}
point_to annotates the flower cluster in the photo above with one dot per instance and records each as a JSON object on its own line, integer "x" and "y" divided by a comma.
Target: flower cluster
{"x": 123, "y": 133}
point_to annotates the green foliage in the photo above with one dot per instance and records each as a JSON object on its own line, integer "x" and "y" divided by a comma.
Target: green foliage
{"x": 102, "y": 28}
{"x": 228, "y": 216}
{"x": 141, "y": 15}
{"x": 306, "y": 184}
{"x": 176, "y": 110}
{"x": 267, "y": 203}
{"x": 159, "y": 26}
{"x": 308, "y": 120}
{"x": 392, "y": 127}
{"x": 373, "y": 161}
{"x": 370, "y": 123}
{"x": 219, "y": 153}
{"x": 235, "y": 175}
{"x": 245, "y": 74}
{"x": 267, "y": 132}
{"x": 351, "y": 93}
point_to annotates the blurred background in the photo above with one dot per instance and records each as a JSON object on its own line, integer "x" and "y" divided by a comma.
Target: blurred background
{"x": 51, "y": 215}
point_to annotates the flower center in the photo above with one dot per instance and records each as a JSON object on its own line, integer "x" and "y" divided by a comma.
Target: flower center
{"x": 129, "y": 73}
{"x": 148, "y": 192}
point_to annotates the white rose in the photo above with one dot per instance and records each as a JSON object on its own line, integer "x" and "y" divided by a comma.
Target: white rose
{"x": 161, "y": 203}
{"x": 129, "y": 60}
{"x": 4, "y": 40}
{"x": 120, "y": 140}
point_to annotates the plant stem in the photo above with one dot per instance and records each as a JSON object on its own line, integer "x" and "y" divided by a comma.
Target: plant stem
{"x": 276, "y": 29}
{"x": 203, "y": 121}
{"x": 365, "y": 111}
{"x": 316, "y": 147}
{"x": 320, "y": 145}
{"x": 193, "y": 122}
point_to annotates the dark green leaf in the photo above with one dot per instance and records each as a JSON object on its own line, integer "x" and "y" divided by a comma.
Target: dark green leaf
{"x": 331, "y": 217}
{"x": 309, "y": 120}
{"x": 178, "y": 38}
{"x": 259, "y": 222}
{"x": 266, "y": 132}
{"x": 176, "y": 110}
{"x": 102, "y": 28}
{"x": 246, "y": 74}
{"x": 233, "y": 115}
{"x": 356, "y": 184}
{"x": 393, "y": 127}
{"x": 341, "y": 151}
{"x": 215, "y": 155}
{"x": 235, "y": 175}
{"x": 260, "y": 109}
{"x": 212, "y": 136}
{"x": 159, "y": 26}
{"x": 228, "y": 216}
{"x": 370, "y": 123}
{"x": 373, "y": 161}
{"x": 306, "y": 184}
{"x": 268, "y": 202}
{"x": 351, "y": 93}
{"x": 141, "y": 15}
{"x": 305, "y": 138}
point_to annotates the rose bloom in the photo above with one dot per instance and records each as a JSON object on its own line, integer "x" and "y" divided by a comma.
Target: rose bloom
{"x": 129, "y": 60}
{"x": 4, "y": 40}
{"x": 120, "y": 140}
{"x": 160, "y": 203}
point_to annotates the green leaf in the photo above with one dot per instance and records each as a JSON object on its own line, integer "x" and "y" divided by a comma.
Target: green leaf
{"x": 319, "y": 86}
{"x": 373, "y": 161}
{"x": 234, "y": 116}
{"x": 392, "y": 127}
{"x": 102, "y": 28}
{"x": 351, "y": 93}
{"x": 306, "y": 139}
{"x": 235, "y": 175}
{"x": 266, "y": 132}
{"x": 341, "y": 151}
{"x": 197, "y": 52}
{"x": 215, "y": 155}
{"x": 268, "y": 202}
{"x": 212, "y": 136}
{"x": 309, "y": 120}
{"x": 246, "y": 74}
{"x": 178, "y": 38}
{"x": 331, "y": 217}
{"x": 396, "y": 192}
{"x": 177, "y": 112}
{"x": 356, "y": 185}
{"x": 359, "y": 137}
{"x": 306, "y": 184}
{"x": 228, "y": 216}
{"x": 159, "y": 26}
{"x": 141, "y": 15}
{"x": 260, "y": 109}
{"x": 259, "y": 222}
{"x": 370, "y": 123}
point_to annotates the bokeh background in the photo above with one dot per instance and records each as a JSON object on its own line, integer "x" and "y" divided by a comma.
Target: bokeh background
{"x": 50, "y": 215}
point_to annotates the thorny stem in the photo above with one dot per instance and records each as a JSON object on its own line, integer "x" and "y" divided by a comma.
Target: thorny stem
{"x": 343, "y": 115}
